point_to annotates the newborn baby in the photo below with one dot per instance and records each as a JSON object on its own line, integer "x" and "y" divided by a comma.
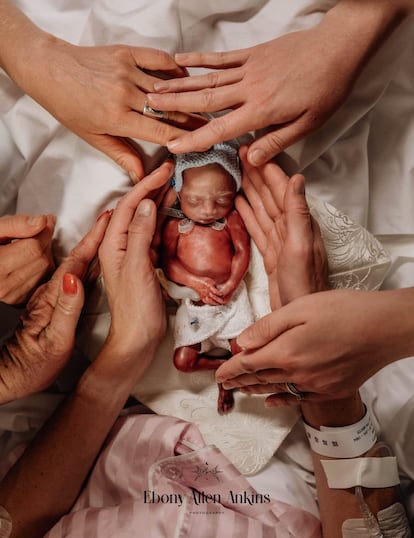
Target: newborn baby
{"x": 206, "y": 248}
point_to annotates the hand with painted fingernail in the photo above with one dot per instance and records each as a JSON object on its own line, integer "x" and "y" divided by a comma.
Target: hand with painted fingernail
{"x": 33, "y": 357}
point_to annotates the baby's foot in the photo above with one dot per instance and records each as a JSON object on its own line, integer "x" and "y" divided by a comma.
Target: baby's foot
{"x": 225, "y": 401}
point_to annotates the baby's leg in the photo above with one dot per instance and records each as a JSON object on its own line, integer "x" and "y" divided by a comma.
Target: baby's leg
{"x": 189, "y": 359}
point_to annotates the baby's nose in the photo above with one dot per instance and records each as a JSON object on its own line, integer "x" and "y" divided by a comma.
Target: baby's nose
{"x": 209, "y": 207}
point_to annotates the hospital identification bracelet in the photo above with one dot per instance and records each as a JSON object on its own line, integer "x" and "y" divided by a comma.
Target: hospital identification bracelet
{"x": 345, "y": 442}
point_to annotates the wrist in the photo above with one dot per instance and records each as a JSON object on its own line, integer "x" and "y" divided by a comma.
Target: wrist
{"x": 355, "y": 29}
{"x": 335, "y": 413}
{"x": 113, "y": 374}
{"x": 19, "y": 40}
{"x": 349, "y": 441}
{"x": 392, "y": 325}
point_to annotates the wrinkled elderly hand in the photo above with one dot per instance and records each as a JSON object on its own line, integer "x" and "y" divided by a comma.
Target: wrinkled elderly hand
{"x": 25, "y": 255}
{"x": 42, "y": 345}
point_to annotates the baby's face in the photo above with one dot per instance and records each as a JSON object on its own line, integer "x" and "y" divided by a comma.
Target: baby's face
{"x": 207, "y": 194}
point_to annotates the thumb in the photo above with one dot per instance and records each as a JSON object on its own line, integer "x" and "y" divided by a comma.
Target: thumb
{"x": 270, "y": 144}
{"x": 62, "y": 326}
{"x": 21, "y": 226}
{"x": 265, "y": 330}
{"x": 298, "y": 219}
{"x": 119, "y": 151}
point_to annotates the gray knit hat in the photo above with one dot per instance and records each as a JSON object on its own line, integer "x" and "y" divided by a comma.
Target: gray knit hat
{"x": 225, "y": 154}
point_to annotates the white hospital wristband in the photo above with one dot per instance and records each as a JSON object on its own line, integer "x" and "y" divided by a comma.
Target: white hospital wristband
{"x": 346, "y": 442}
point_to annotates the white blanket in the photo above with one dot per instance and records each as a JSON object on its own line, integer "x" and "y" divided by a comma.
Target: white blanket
{"x": 361, "y": 161}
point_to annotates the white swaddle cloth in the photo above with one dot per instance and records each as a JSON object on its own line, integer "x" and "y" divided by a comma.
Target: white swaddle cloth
{"x": 250, "y": 434}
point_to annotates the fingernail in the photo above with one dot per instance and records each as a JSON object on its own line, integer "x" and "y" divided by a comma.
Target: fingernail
{"x": 35, "y": 221}
{"x": 133, "y": 176}
{"x": 256, "y": 157}
{"x": 162, "y": 85}
{"x": 106, "y": 212}
{"x": 173, "y": 145}
{"x": 180, "y": 56}
{"x": 241, "y": 346}
{"x": 144, "y": 208}
{"x": 70, "y": 284}
{"x": 299, "y": 186}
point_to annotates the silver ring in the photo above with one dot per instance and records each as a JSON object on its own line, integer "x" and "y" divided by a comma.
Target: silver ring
{"x": 152, "y": 113}
{"x": 292, "y": 389}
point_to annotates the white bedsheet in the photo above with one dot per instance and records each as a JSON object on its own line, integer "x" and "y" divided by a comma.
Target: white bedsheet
{"x": 361, "y": 161}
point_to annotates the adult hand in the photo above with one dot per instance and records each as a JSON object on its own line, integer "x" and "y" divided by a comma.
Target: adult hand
{"x": 282, "y": 83}
{"x": 291, "y": 84}
{"x": 41, "y": 346}
{"x": 25, "y": 255}
{"x": 289, "y": 240}
{"x": 96, "y": 92}
{"x": 110, "y": 84}
{"x": 326, "y": 343}
{"x": 278, "y": 220}
{"x": 137, "y": 308}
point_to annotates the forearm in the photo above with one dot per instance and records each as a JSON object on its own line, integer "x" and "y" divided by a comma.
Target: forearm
{"x": 338, "y": 505}
{"x": 239, "y": 266}
{"x": 177, "y": 273}
{"x": 21, "y": 45}
{"x": 355, "y": 29}
{"x": 46, "y": 481}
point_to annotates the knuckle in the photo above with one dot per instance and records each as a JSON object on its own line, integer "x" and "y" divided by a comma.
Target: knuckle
{"x": 212, "y": 79}
{"x": 275, "y": 142}
{"x": 161, "y": 56}
{"x": 262, "y": 378}
{"x": 218, "y": 127}
{"x": 34, "y": 248}
{"x": 247, "y": 364}
{"x": 66, "y": 307}
{"x": 206, "y": 98}
{"x": 120, "y": 53}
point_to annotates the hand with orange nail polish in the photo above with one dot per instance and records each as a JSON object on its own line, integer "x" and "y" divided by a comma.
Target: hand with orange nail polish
{"x": 33, "y": 357}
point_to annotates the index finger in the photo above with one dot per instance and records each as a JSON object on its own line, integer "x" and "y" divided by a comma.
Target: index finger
{"x": 230, "y": 125}
{"x": 84, "y": 252}
{"x": 232, "y": 58}
{"x": 156, "y": 60}
{"x": 146, "y": 188}
{"x": 236, "y": 366}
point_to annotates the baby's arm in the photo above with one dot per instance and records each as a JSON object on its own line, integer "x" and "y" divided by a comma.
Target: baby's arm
{"x": 241, "y": 257}
{"x": 177, "y": 272}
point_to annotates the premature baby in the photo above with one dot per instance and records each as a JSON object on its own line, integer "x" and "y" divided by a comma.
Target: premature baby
{"x": 206, "y": 248}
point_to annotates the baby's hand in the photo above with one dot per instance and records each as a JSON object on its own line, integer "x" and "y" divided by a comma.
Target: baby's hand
{"x": 226, "y": 290}
{"x": 208, "y": 292}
